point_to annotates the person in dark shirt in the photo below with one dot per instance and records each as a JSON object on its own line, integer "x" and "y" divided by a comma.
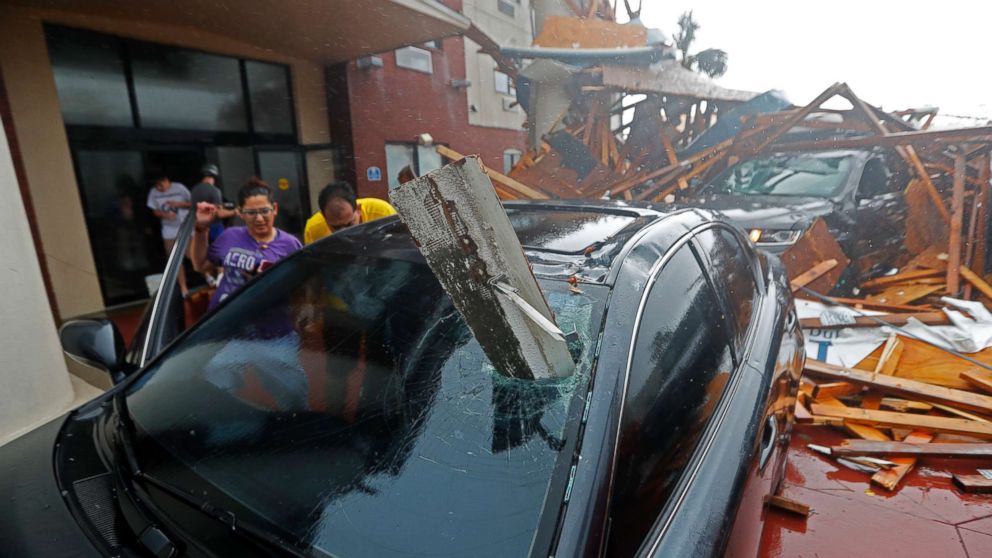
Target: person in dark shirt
{"x": 207, "y": 191}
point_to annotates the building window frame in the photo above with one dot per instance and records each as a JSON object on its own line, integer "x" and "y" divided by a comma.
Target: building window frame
{"x": 507, "y": 8}
{"x": 140, "y": 132}
{"x": 503, "y": 83}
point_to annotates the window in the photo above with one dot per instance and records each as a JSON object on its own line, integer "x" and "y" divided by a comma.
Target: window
{"x": 510, "y": 159}
{"x": 421, "y": 158}
{"x": 173, "y": 88}
{"x": 271, "y": 101}
{"x": 681, "y": 363}
{"x": 804, "y": 174}
{"x": 416, "y": 59}
{"x": 735, "y": 277}
{"x": 321, "y": 393}
{"x": 90, "y": 78}
{"x": 503, "y": 83}
{"x": 188, "y": 90}
{"x": 505, "y": 7}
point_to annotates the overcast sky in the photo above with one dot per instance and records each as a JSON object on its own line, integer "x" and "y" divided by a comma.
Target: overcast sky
{"x": 893, "y": 54}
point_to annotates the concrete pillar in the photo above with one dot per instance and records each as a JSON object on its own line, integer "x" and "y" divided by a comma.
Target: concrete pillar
{"x": 35, "y": 382}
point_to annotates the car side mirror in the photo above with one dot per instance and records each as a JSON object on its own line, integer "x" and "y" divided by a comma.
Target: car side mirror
{"x": 96, "y": 343}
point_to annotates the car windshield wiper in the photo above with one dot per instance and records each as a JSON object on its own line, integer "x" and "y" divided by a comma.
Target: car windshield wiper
{"x": 247, "y": 530}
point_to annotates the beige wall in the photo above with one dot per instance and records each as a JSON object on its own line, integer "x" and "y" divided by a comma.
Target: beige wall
{"x": 45, "y": 152}
{"x": 35, "y": 384}
{"x": 479, "y": 67}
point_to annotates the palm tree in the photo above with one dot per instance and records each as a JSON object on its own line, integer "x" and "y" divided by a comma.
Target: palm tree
{"x": 711, "y": 61}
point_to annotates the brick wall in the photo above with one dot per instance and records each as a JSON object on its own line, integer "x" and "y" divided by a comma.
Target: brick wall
{"x": 396, "y": 104}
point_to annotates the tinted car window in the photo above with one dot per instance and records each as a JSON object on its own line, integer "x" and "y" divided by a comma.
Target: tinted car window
{"x": 805, "y": 174}
{"x": 681, "y": 363}
{"x": 732, "y": 275}
{"x": 347, "y": 404}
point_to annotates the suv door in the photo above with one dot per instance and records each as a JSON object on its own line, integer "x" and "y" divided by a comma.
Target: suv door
{"x": 164, "y": 318}
{"x": 880, "y": 215}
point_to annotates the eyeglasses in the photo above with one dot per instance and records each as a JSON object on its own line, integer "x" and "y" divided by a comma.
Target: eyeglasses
{"x": 336, "y": 228}
{"x": 252, "y": 213}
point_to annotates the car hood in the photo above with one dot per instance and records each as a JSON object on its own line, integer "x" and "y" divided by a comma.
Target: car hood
{"x": 769, "y": 212}
{"x": 35, "y": 519}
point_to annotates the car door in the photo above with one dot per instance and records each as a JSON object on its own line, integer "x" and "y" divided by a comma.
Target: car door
{"x": 680, "y": 369}
{"x": 736, "y": 275}
{"x": 164, "y": 318}
{"x": 880, "y": 215}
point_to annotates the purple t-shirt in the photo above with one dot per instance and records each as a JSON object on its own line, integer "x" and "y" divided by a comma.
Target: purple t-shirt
{"x": 241, "y": 255}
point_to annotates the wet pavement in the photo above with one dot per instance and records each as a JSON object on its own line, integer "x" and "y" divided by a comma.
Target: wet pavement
{"x": 925, "y": 516}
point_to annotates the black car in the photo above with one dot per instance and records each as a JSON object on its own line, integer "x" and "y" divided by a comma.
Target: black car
{"x": 339, "y": 406}
{"x": 858, "y": 193}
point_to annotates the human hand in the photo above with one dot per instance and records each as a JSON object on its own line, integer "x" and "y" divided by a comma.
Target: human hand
{"x": 205, "y": 213}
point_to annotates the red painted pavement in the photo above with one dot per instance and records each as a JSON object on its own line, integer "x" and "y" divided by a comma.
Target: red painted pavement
{"x": 925, "y": 516}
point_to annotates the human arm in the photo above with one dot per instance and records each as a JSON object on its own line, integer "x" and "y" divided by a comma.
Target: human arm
{"x": 201, "y": 239}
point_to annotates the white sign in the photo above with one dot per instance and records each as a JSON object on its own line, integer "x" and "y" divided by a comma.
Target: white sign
{"x": 374, "y": 174}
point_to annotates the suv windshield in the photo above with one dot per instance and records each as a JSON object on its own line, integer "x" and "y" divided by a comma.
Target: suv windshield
{"x": 345, "y": 402}
{"x": 786, "y": 175}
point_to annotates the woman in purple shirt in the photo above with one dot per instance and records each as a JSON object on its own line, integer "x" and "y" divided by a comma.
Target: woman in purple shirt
{"x": 243, "y": 252}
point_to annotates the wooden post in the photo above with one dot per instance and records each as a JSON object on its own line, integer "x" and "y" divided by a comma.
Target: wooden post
{"x": 467, "y": 239}
{"x": 957, "y": 215}
{"x": 980, "y": 258}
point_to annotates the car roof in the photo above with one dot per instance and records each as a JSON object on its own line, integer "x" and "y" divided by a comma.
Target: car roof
{"x": 587, "y": 239}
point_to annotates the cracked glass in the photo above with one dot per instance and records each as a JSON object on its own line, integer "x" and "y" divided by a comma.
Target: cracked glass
{"x": 345, "y": 402}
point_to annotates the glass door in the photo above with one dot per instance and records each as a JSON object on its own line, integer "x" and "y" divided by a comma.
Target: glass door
{"x": 283, "y": 170}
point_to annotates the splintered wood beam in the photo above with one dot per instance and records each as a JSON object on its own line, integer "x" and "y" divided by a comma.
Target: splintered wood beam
{"x": 860, "y": 430}
{"x": 905, "y": 277}
{"x": 786, "y": 504}
{"x": 940, "y": 137}
{"x": 973, "y": 484}
{"x": 872, "y": 448}
{"x": 466, "y": 237}
{"x": 890, "y": 479}
{"x": 798, "y": 116}
{"x": 812, "y": 274}
{"x": 505, "y": 181}
{"x": 957, "y": 216}
{"x": 979, "y": 283}
{"x": 903, "y": 387}
{"x": 928, "y": 318}
{"x": 877, "y": 305}
{"x": 978, "y": 380}
{"x": 892, "y": 419}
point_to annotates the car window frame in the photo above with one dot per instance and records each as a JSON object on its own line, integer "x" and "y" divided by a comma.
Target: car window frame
{"x": 751, "y": 256}
{"x": 706, "y": 439}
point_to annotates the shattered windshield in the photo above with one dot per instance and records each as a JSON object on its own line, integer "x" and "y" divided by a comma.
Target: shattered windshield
{"x": 797, "y": 175}
{"x": 345, "y": 402}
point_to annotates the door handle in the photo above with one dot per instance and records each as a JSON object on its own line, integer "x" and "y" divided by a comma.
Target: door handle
{"x": 768, "y": 441}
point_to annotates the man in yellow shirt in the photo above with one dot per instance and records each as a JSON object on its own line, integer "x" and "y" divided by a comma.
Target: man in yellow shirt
{"x": 339, "y": 209}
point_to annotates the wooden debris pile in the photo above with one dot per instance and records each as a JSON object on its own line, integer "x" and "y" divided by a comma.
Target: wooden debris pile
{"x": 906, "y": 401}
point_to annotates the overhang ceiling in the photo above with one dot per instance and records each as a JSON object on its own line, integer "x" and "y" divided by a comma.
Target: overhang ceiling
{"x": 325, "y": 31}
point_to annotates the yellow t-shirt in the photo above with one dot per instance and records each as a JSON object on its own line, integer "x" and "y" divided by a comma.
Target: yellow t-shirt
{"x": 371, "y": 209}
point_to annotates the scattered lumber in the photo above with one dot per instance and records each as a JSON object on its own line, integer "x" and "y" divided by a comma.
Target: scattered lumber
{"x": 973, "y": 484}
{"x": 902, "y": 386}
{"x": 928, "y": 318}
{"x": 789, "y": 505}
{"x": 909, "y": 449}
{"x": 906, "y": 420}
